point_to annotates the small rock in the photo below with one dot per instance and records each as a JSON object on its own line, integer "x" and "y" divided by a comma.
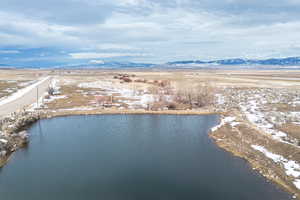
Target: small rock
{"x": 23, "y": 134}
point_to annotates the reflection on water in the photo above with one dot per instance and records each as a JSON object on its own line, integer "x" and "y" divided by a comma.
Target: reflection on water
{"x": 140, "y": 157}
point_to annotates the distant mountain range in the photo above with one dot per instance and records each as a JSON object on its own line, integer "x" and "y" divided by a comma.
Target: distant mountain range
{"x": 238, "y": 63}
{"x": 109, "y": 65}
{"x": 104, "y": 65}
{"x": 290, "y": 61}
{"x": 5, "y": 66}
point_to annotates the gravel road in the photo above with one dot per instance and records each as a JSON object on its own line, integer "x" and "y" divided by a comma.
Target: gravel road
{"x": 26, "y": 99}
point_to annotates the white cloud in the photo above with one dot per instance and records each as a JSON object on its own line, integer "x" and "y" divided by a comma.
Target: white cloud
{"x": 9, "y": 51}
{"x": 110, "y": 46}
{"x": 97, "y": 61}
{"x": 131, "y": 2}
{"x": 154, "y": 30}
{"x": 91, "y": 55}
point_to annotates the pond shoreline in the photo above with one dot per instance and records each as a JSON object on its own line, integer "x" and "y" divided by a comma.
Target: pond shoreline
{"x": 132, "y": 139}
{"x": 256, "y": 165}
{"x": 13, "y": 133}
{"x": 239, "y": 143}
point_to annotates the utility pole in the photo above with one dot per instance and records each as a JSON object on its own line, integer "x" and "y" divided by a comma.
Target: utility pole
{"x": 37, "y": 96}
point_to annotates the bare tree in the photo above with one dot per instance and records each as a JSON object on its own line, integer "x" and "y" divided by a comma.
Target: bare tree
{"x": 205, "y": 95}
{"x": 198, "y": 96}
{"x": 160, "y": 100}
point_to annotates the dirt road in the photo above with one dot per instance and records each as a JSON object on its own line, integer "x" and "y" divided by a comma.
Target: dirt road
{"x": 24, "y": 98}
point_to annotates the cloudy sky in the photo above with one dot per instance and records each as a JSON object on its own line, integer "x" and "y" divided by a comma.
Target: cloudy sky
{"x": 53, "y": 32}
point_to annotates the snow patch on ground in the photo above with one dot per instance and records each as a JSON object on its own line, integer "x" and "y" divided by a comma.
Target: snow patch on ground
{"x": 297, "y": 183}
{"x": 4, "y": 141}
{"x": 227, "y": 120}
{"x": 10, "y": 90}
{"x": 95, "y": 84}
{"x": 53, "y": 98}
{"x": 292, "y": 168}
{"x": 27, "y": 83}
{"x": 141, "y": 98}
{"x": 257, "y": 106}
{"x": 220, "y": 99}
{"x": 259, "y": 119}
{"x": 38, "y": 104}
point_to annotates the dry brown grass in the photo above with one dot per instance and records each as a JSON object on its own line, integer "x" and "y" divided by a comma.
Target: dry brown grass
{"x": 281, "y": 107}
{"x": 292, "y": 129}
{"x": 238, "y": 141}
{"x": 74, "y": 98}
{"x": 7, "y": 87}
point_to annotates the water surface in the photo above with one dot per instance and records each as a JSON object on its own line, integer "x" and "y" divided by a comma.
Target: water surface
{"x": 129, "y": 157}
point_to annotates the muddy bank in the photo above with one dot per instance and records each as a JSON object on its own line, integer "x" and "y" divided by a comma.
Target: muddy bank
{"x": 116, "y": 111}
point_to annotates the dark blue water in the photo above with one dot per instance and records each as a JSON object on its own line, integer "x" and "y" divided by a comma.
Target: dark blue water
{"x": 129, "y": 157}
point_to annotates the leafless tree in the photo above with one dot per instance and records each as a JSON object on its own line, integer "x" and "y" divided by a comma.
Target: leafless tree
{"x": 198, "y": 96}
{"x": 205, "y": 95}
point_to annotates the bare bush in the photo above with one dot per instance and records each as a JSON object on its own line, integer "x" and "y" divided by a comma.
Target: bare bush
{"x": 50, "y": 91}
{"x": 104, "y": 100}
{"x": 166, "y": 97}
{"x": 164, "y": 83}
{"x": 157, "y": 105}
{"x": 172, "y": 106}
{"x": 199, "y": 96}
{"x": 160, "y": 100}
{"x": 205, "y": 95}
{"x": 127, "y": 80}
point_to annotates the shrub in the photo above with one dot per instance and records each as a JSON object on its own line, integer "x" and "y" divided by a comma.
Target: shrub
{"x": 50, "y": 91}
{"x": 172, "y": 106}
{"x": 200, "y": 96}
{"x": 127, "y": 80}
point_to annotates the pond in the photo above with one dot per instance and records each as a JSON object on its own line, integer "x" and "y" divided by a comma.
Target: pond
{"x": 129, "y": 157}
